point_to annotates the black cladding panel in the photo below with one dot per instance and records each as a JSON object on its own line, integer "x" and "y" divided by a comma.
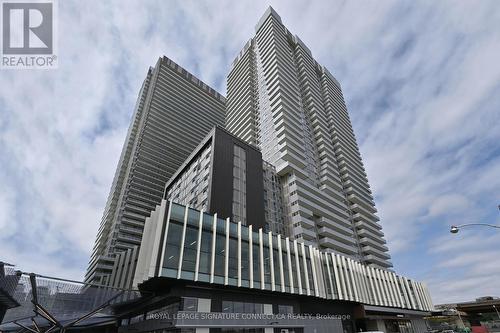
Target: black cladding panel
{"x": 222, "y": 179}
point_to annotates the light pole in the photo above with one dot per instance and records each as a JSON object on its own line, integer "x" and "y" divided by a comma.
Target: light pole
{"x": 455, "y": 228}
{"x": 498, "y": 314}
{"x": 460, "y": 317}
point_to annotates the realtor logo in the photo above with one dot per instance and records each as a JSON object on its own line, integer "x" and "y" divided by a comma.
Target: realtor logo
{"x": 28, "y": 30}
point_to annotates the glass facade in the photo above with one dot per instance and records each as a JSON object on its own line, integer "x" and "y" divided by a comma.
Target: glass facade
{"x": 206, "y": 249}
{"x": 174, "y": 234}
{"x": 274, "y": 209}
{"x": 189, "y": 304}
{"x": 191, "y": 187}
{"x": 236, "y": 255}
{"x": 220, "y": 255}
{"x": 242, "y": 307}
{"x": 239, "y": 185}
{"x": 285, "y": 309}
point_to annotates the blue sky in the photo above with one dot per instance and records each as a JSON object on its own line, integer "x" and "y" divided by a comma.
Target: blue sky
{"x": 422, "y": 85}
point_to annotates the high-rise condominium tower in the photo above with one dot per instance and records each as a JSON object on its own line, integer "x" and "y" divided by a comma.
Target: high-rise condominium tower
{"x": 283, "y": 101}
{"x": 174, "y": 112}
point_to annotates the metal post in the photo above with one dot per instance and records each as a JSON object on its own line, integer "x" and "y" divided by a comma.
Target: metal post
{"x": 460, "y": 317}
{"x": 494, "y": 307}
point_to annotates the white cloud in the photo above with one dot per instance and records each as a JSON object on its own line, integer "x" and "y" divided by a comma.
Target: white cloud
{"x": 448, "y": 204}
{"x": 467, "y": 265}
{"x": 7, "y": 204}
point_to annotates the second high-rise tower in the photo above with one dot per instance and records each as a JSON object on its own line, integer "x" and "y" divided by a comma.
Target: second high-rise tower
{"x": 283, "y": 101}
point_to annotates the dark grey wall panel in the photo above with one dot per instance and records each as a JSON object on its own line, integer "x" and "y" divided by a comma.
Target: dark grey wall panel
{"x": 222, "y": 179}
{"x": 222, "y": 175}
{"x": 255, "y": 188}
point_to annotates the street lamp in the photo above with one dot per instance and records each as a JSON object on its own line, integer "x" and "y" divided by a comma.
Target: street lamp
{"x": 455, "y": 228}
{"x": 498, "y": 314}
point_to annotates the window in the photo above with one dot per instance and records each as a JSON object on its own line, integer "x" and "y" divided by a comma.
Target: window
{"x": 239, "y": 185}
{"x": 172, "y": 248}
{"x": 276, "y": 262}
{"x": 220, "y": 249}
{"x": 177, "y": 213}
{"x": 285, "y": 309}
{"x": 309, "y": 270}
{"x": 286, "y": 270}
{"x": 245, "y": 263}
{"x": 206, "y": 249}
{"x": 294, "y": 267}
{"x": 233, "y": 261}
{"x": 267, "y": 265}
{"x": 193, "y": 217}
{"x": 241, "y": 307}
{"x": 189, "y": 304}
{"x": 238, "y": 307}
{"x": 189, "y": 255}
{"x": 256, "y": 260}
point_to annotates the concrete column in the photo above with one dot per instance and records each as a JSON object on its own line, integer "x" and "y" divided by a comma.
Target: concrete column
{"x": 268, "y": 309}
{"x": 226, "y": 255}
{"x": 271, "y": 260}
{"x": 250, "y": 254}
{"x": 204, "y": 305}
{"x": 337, "y": 276}
{"x": 183, "y": 238}
{"x": 297, "y": 265}
{"x": 198, "y": 246}
{"x": 212, "y": 258}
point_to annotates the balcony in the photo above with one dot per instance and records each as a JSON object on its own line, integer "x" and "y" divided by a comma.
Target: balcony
{"x": 336, "y": 194}
{"x": 338, "y": 246}
{"x": 350, "y": 183}
{"x": 296, "y": 160}
{"x": 350, "y": 190}
{"x": 360, "y": 209}
{"x": 131, "y": 230}
{"x": 351, "y": 173}
{"x": 368, "y": 205}
{"x": 307, "y": 234}
{"x": 129, "y": 239}
{"x": 360, "y": 168}
{"x": 307, "y": 242}
{"x": 327, "y": 232}
{"x": 105, "y": 263}
{"x": 328, "y": 181}
{"x": 315, "y": 200}
{"x": 343, "y": 228}
{"x": 303, "y": 221}
{"x": 366, "y": 226}
{"x": 360, "y": 214}
{"x": 378, "y": 244}
{"x": 377, "y": 261}
{"x": 374, "y": 251}
{"x": 366, "y": 233}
